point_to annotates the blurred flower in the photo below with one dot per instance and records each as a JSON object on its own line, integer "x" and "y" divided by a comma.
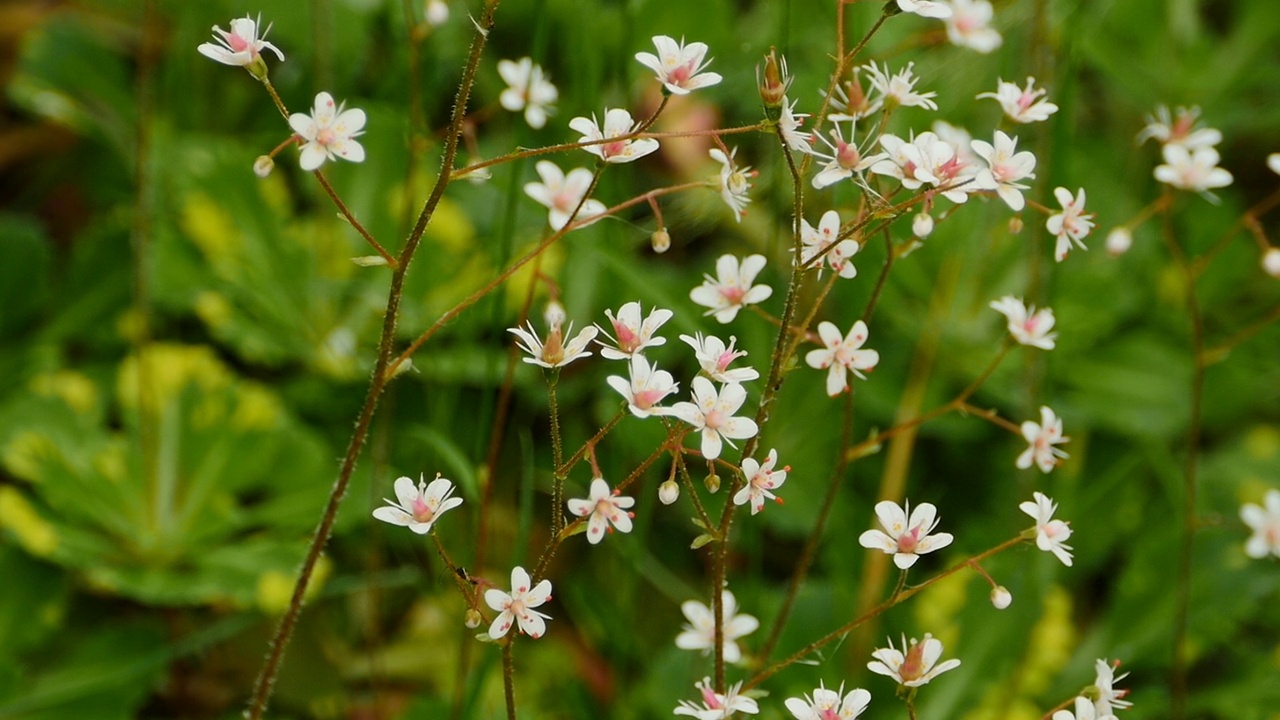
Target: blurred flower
{"x": 714, "y": 358}
{"x": 554, "y": 353}
{"x": 712, "y": 414}
{"x": 925, "y": 8}
{"x": 1022, "y": 105}
{"x": 605, "y": 508}
{"x": 527, "y": 89}
{"x": 263, "y": 165}
{"x": 646, "y": 388}
{"x": 816, "y": 241}
{"x": 562, "y": 194}
{"x": 1070, "y": 225}
{"x": 1051, "y": 535}
{"x": 679, "y": 67}
{"x": 916, "y": 667}
{"x": 970, "y": 25}
{"x": 632, "y": 334}
{"x": 1180, "y": 131}
{"x": 829, "y": 704}
{"x": 1273, "y": 162}
{"x": 700, "y": 632}
{"x": 419, "y": 506}
{"x": 731, "y": 289}
{"x": 733, "y": 182}
{"x": 1026, "y": 325}
{"x": 1108, "y": 697}
{"x": 518, "y": 606}
{"x": 1084, "y": 711}
{"x": 436, "y": 12}
{"x": 1001, "y": 597}
{"x": 617, "y": 123}
{"x": 1006, "y": 168}
{"x": 922, "y": 225}
{"x": 899, "y": 89}
{"x": 241, "y": 46}
{"x": 1195, "y": 170}
{"x": 761, "y": 479}
{"x": 328, "y": 131}
{"x": 1271, "y": 262}
{"x": 1119, "y": 241}
{"x": 1265, "y": 524}
{"x": 1043, "y": 437}
{"x": 906, "y": 539}
{"x": 716, "y": 706}
{"x": 844, "y": 160}
{"x": 842, "y": 355}
{"x": 660, "y": 240}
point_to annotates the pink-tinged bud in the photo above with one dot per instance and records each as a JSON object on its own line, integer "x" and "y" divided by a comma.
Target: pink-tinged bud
{"x": 913, "y": 664}
{"x": 1119, "y": 241}
{"x": 263, "y": 166}
{"x": 1001, "y": 597}
{"x": 661, "y": 240}
{"x": 773, "y": 88}
{"x": 668, "y": 492}
{"x": 1015, "y": 224}
{"x": 472, "y": 619}
{"x": 922, "y": 225}
{"x": 1271, "y": 262}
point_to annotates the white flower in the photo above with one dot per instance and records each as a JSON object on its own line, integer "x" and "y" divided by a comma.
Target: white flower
{"x": 712, "y": 414}
{"x": 731, "y": 289}
{"x": 562, "y": 194}
{"x": 1273, "y": 163}
{"x": 952, "y": 167}
{"x": 900, "y": 88}
{"x": 1265, "y": 524}
{"x": 789, "y": 123}
{"x": 850, "y": 101}
{"x": 1119, "y": 241}
{"x": 1051, "y": 535}
{"x": 554, "y": 352}
{"x": 419, "y": 506}
{"x": 1271, "y": 262}
{"x": 605, "y": 509}
{"x": 841, "y": 355}
{"x": 700, "y": 632}
{"x": 828, "y": 704}
{"x": 922, "y": 225}
{"x": 1084, "y": 711}
{"x": 328, "y": 132}
{"x": 527, "y": 89}
{"x": 925, "y": 8}
{"x": 617, "y": 123}
{"x": 1026, "y": 325}
{"x": 916, "y": 667}
{"x": 1108, "y": 697}
{"x": 716, "y": 706}
{"x": 646, "y": 388}
{"x": 631, "y": 334}
{"x": 1001, "y": 598}
{"x": 1195, "y": 170}
{"x": 1181, "y": 131}
{"x": 733, "y": 183}
{"x": 761, "y": 479}
{"x": 436, "y": 12}
{"x": 970, "y": 25}
{"x": 1071, "y": 225}
{"x": 241, "y": 46}
{"x": 518, "y": 606}
{"x": 905, "y": 160}
{"x": 1022, "y": 105}
{"x": 679, "y": 67}
{"x": 1043, "y": 437}
{"x": 844, "y": 160}
{"x": 1006, "y": 167}
{"x": 816, "y": 241}
{"x": 714, "y": 358}
{"x": 906, "y": 539}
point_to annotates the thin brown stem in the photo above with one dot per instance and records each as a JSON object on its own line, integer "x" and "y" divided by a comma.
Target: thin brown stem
{"x": 509, "y": 678}
{"x": 351, "y": 219}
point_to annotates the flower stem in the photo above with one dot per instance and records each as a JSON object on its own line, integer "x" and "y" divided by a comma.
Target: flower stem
{"x": 342, "y": 208}
{"x": 509, "y": 678}
{"x": 557, "y": 488}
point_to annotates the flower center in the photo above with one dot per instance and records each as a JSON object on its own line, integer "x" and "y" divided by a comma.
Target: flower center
{"x": 828, "y": 713}
{"x": 907, "y": 543}
{"x": 847, "y": 155}
{"x": 913, "y": 664}
{"x": 614, "y": 148}
{"x": 237, "y": 43}
{"x": 681, "y": 74}
{"x": 326, "y": 137}
{"x": 422, "y": 512}
{"x": 645, "y": 399}
{"x": 733, "y": 294}
{"x": 628, "y": 341}
{"x": 714, "y": 419}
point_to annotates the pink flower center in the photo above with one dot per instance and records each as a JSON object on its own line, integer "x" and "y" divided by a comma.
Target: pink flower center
{"x": 614, "y": 148}
{"x": 828, "y": 713}
{"x": 422, "y": 512}
{"x": 847, "y": 155}
{"x": 237, "y": 43}
{"x": 326, "y": 137}
{"x": 1027, "y": 99}
{"x": 645, "y": 399}
{"x": 565, "y": 200}
{"x": 908, "y": 541}
{"x": 714, "y": 419}
{"x": 628, "y": 341}
{"x": 733, "y": 294}
{"x": 681, "y": 75}
{"x": 913, "y": 664}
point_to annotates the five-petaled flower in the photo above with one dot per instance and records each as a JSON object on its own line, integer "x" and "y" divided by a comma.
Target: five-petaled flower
{"x": 917, "y": 666}
{"x": 646, "y": 387}
{"x": 733, "y": 182}
{"x": 1196, "y": 170}
{"x": 712, "y": 412}
{"x": 1109, "y": 698}
{"x": 241, "y": 46}
{"x": 328, "y": 132}
{"x": 816, "y": 241}
{"x": 418, "y": 507}
{"x": 905, "y": 539}
{"x": 1005, "y": 167}
{"x": 1042, "y": 438}
{"x": 617, "y": 124}
{"x": 844, "y": 160}
{"x": 562, "y": 194}
{"x": 732, "y": 288}
{"x": 700, "y": 632}
{"x": 842, "y": 355}
{"x": 1027, "y": 325}
{"x": 631, "y": 334}
{"x": 518, "y": 606}
{"x": 899, "y": 89}
{"x": 1264, "y": 521}
{"x": 1070, "y": 225}
{"x": 605, "y": 508}
{"x": 679, "y": 67}
{"x": 970, "y": 25}
{"x": 716, "y": 706}
{"x": 554, "y": 352}
{"x": 761, "y": 480}
{"x": 1051, "y": 535}
{"x": 714, "y": 358}
{"x": 1022, "y": 105}
{"x": 829, "y": 704}
{"x": 527, "y": 89}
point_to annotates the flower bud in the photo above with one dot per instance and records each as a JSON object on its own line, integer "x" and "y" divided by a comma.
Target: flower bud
{"x": 661, "y": 240}
{"x": 1015, "y": 224}
{"x": 263, "y": 166}
{"x": 257, "y": 68}
{"x": 472, "y": 618}
{"x": 554, "y": 315}
{"x": 668, "y": 492}
{"x": 773, "y": 88}
{"x": 1271, "y": 262}
{"x": 922, "y": 225}
{"x": 1119, "y": 241}
{"x": 1000, "y": 597}
{"x": 436, "y": 12}
{"x": 713, "y": 483}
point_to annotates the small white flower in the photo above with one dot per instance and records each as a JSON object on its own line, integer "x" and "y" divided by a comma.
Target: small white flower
{"x": 714, "y": 358}
{"x": 1071, "y": 225}
{"x": 1006, "y": 167}
{"x": 1043, "y": 437}
{"x": 844, "y": 159}
{"x": 733, "y": 182}
{"x": 917, "y": 666}
{"x": 561, "y": 194}
{"x": 1084, "y": 711}
{"x": 970, "y": 26}
{"x": 646, "y": 388}
{"x": 900, "y": 87}
{"x": 1022, "y": 105}
{"x": 631, "y": 335}
{"x": 731, "y": 289}
{"x": 829, "y": 704}
{"x": 1264, "y": 521}
{"x": 925, "y": 8}
{"x": 712, "y": 413}
{"x": 418, "y": 507}
{"x": 679, "y": 67}
{"x": 518, "y": 606}
{"x": 1051, "y": 535}
{"x": 816, "y": 241}
{"x": 700, "y": 632}
{"x": 842, "y": 355}
{"x": 953, "y": 168}
{"x": 605, "y": 508}
{"x": 905, "y": 539}
{"x": 1026, "y": 325}
{"x": 328, "y": 131}
{"x": 789, "y": 123}
{"x": 761, "y": 480}
{"x": 1181, "y": 131}
{"x": 1108, "y": 697}
{"x": 554, "y": 352}
{"x": 617, "y": 123}
{"x": 1271, "y": 262}
{"x": 242, "y": 46}
{"x": 1196, "y": 170}
{"x": 905, "y": 160}
{"x": 716, "y": 706}
{"x": 527, "y": 89}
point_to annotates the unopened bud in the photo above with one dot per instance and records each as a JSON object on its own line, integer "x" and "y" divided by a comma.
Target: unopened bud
{"x": 1119, "y": 241}
{"x": 472, "y": 618}
{"x": 1271, "y": 262}
{"x": 661, "y": 240}
{"x": 1015, "y": 224}
{"x": 773, "y": 88}
{"x": 922, "y": 225}
{"x": 263, "y": 166}
{"x": 713, "y": 483}
{"x": 258, "y": 68}
{"x": 369, "y": 261}
{"x": 668, "y": 492}
{"x": 1000, "y": 597}
{"x": 437, "y": 12}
